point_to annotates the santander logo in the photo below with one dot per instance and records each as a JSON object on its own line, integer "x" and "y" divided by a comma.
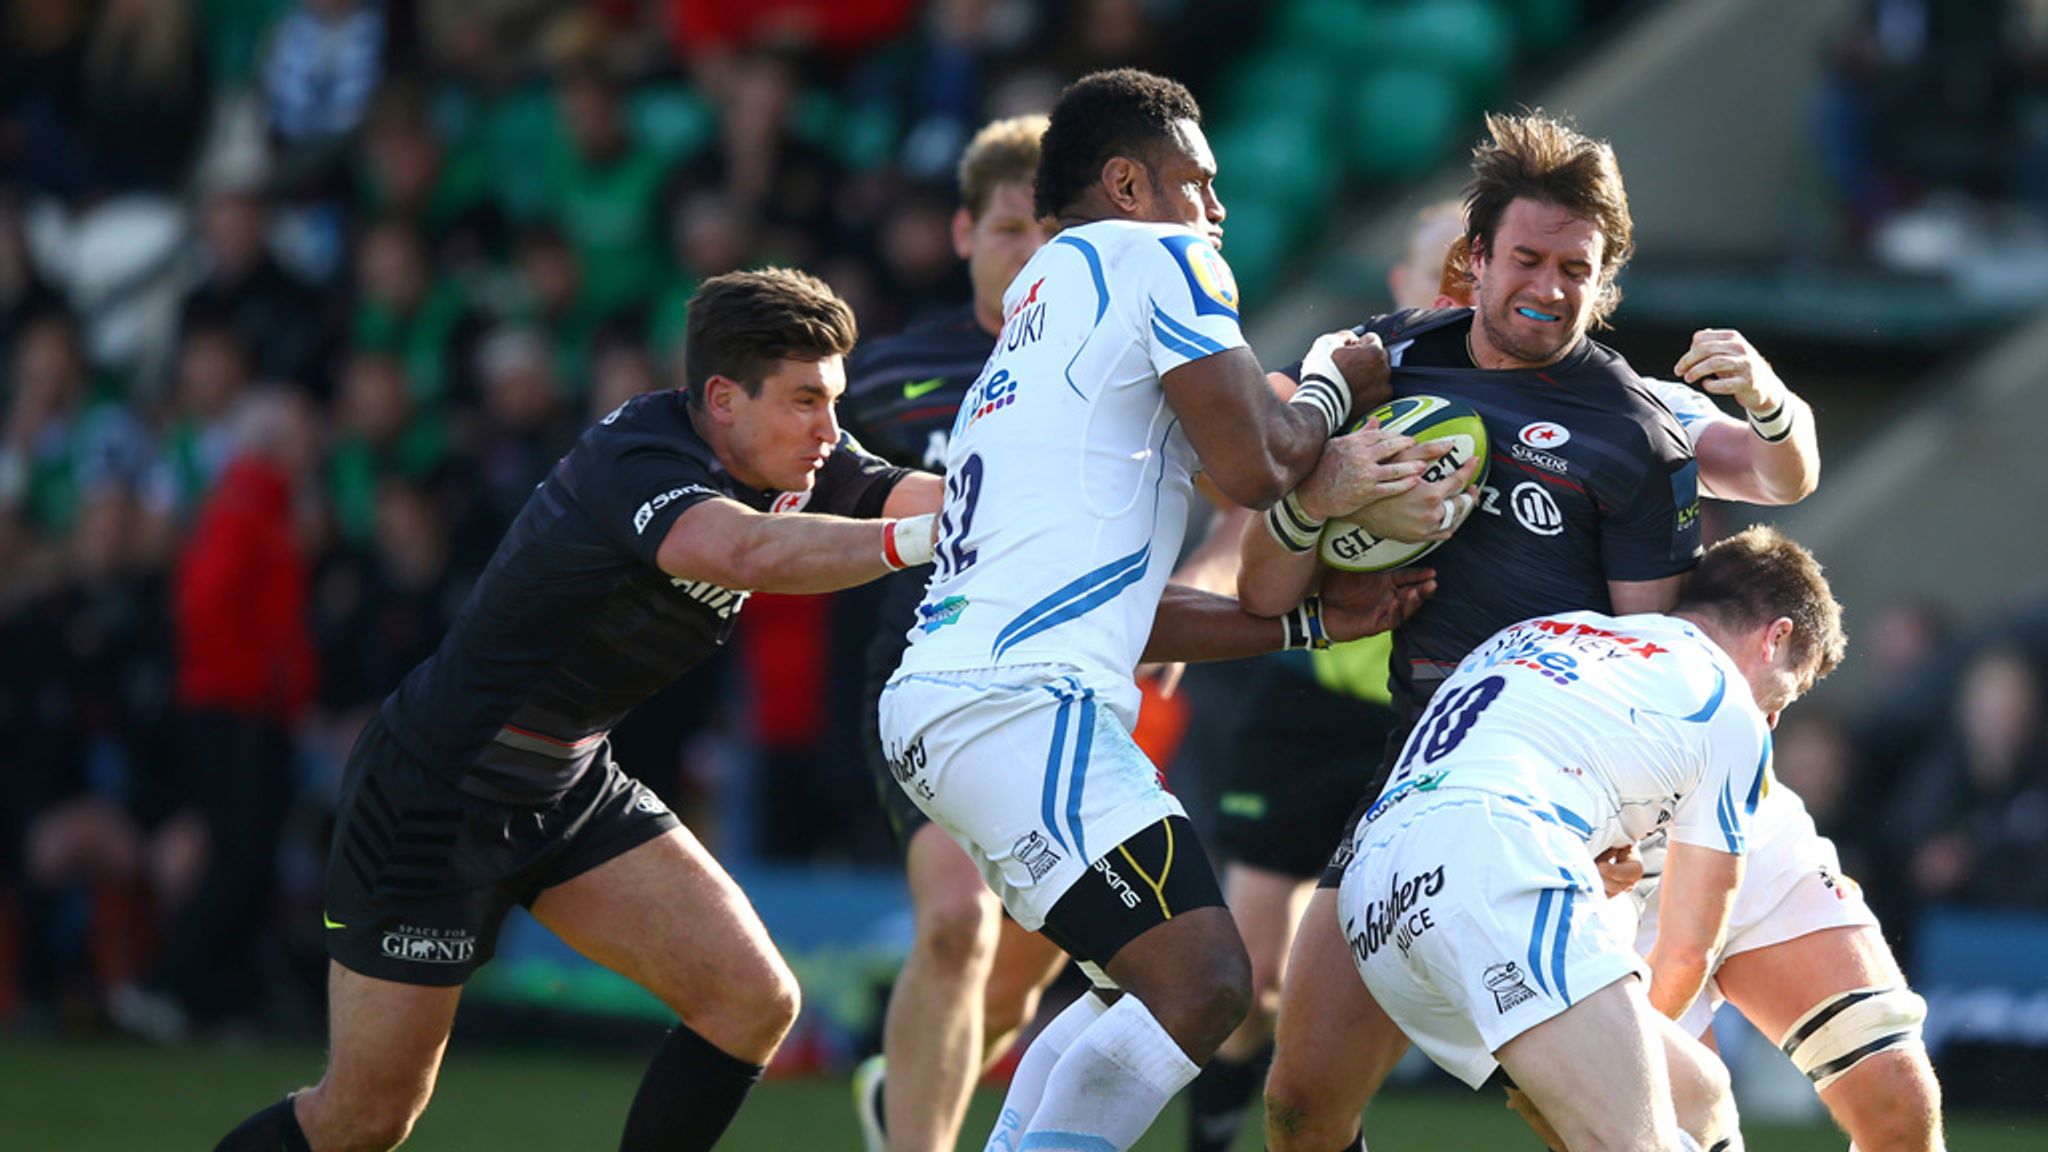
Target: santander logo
{"x": 1544, "y": 434}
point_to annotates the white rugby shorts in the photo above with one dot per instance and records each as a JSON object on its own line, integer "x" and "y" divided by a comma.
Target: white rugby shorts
{"x": 1473, "y": 918}
{"x": 1792, "y": 886}
{"x": 1031, "y": 769}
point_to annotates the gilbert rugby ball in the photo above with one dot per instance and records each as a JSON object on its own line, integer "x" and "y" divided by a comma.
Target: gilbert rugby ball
{"x": 1347, "y": 546}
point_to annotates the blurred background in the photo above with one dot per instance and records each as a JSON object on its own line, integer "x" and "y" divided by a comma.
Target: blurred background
{"x": 319, "y": 289}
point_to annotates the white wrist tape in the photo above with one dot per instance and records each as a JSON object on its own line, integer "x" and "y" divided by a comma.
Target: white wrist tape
{"x": 1294, "y": 529}
{"x": 906, "y": 543}
{"x": 1322, "y": 386}
{"x": 1774, "y": 425}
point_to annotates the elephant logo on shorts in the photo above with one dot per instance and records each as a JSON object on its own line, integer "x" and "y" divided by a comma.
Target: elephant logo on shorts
{"x": 428, "y": 946}
{"x": 1506, "y": 984}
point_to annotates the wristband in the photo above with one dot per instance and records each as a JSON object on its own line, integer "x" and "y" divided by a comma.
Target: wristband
{"x": 907, "y": 543}
{"x": 1322, "y": 386}
{"x": 1293, "y": 529}
{"x": 1303, "y": 626}
{"x": 1774, "y": 425}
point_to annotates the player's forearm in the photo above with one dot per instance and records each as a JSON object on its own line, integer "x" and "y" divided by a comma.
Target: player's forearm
{"x": 1286, "y": 442}
{"x": 1676, "y": 979}
{"x": 1736, "y": 463}
{"x": 1193, "y": 626}
{"x": 1271, "y": 579}
{"x": 1788, "y": 470}
{"x": 802, "y": 553}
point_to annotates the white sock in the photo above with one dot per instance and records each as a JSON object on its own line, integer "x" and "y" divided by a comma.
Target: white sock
{"x": 1027, "y": 1084}
{"x": 1111, "y": 1084}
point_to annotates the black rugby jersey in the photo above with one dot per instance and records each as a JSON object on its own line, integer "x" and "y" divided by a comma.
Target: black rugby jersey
{"x": 1591, "y": 479}
{"x": 901, "y": 396}
{"x": 573, "y": 622}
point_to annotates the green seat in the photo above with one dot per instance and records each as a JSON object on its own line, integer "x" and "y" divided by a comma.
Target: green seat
{"x": 1268, "y": 84}
{"x": 1541, "y": 25}
{"x": 1402, "y": 122}
{"x": 1285, "y": 159}
{"x": 1470, "y": 39}
{"x": 1340, "y": 33}
{"x": 1258, "y": 234}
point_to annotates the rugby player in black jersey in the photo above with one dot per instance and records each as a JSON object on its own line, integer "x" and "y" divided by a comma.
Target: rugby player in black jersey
{"x": 972, "y": 977}
{"x": 486, "y": 780}
{"x": 1591, "y": 502}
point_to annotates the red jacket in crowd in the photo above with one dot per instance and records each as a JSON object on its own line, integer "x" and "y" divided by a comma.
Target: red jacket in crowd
{"x": 244, "y": 641}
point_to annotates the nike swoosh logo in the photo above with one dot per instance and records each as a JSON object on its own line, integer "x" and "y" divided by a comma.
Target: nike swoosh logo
{"x": 917, "y": 388}
{"x": 330, "y": 921}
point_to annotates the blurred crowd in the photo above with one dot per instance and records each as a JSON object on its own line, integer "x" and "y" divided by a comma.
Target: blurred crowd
{"x": 300, "y": 298}
{"x": 1931, "y": 136}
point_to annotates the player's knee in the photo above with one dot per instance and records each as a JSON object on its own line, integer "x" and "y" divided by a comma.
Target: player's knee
{"x": 1294, "y": 1122}
{"x": 956, "y": 930}
{"x": 1891, "y": 1103}
{"x": 1209, "y": 1003}
{"x": 372, "y": 1126}
{"x": 749, "y": 1016}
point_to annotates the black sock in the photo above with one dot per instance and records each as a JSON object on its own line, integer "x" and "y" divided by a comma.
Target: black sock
{"x": 688, "y": 1097}
{"x": 275, "y": 1129}
{"x": 1357, "y": 1143}
{"x": 1219, "y": 1096}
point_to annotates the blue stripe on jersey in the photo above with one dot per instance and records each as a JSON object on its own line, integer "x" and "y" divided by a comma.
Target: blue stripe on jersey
{"x": 1187, "y": 334}
{"x": 1572, "y": 820}
{"x": 1048, "y": 811}
{"x": 1094, "y": 259}
{"x": 1066, "y": 1142}
{"x": 1564, "y": 934}
{"x": 1763, "y": 769}
{"x": 1731, "y": 831}
{"x": 1536, "y": 938}
{"x": 1084, "y": 739}
{"x": 1186, "y": 350}
{"x": 1074, "y": 599}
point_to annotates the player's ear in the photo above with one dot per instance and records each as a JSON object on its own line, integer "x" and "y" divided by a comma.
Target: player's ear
{"x": 963, "y": 233}
{"x": 1121, "y": 178}
{"x": 1777, "y": 636}
{"x": 720, "y": 393}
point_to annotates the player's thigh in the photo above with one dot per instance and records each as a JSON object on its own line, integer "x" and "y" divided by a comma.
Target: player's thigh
{"x": 1774, "y": 986}
{"x": 1333, "y": 1043}
{"x": 667, "y": 917}
{"x": 1267, "y": 906}
{"x": 947, "y": 891}
{"x": 1026, "y": 964}
{"x": 1609, "y": 1040}
{"x": 385, "y": 1042}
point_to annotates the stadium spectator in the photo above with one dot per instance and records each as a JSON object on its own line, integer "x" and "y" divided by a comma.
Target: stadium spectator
{"x": 605, "y": 194}
{"x": 144, "y": 95}
{"x": 246, "y": 672}
{"x": 60, "y": 441}
{"x": 90, "y": 793}
{"x": 403, "y": 310}
{"x": 379, "y": 434}
{"x": 238, "y": 283}
{"x": 1973, "y": 817}
{"x": 324, "y": 61}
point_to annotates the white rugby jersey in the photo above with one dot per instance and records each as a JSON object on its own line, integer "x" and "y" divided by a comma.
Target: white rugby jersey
{"x": 1067, "y": 474}
{"x": 1694, "y": 408}
{"x": 1615, "y": 727}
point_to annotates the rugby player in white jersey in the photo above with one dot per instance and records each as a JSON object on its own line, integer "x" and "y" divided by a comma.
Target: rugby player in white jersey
{"x": 1557, "y": 740}
{"x": 1121, "y": 369}
{"x": 1804, "y": 959}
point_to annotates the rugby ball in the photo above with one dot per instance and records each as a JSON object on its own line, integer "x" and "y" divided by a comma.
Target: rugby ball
{"x": 1347, "y": 546}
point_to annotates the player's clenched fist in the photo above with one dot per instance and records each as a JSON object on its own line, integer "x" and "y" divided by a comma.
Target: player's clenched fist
{"x": 1364, "y": 467}
{"x": 1725, "y": 364}
{"x": 1363, "y": 362}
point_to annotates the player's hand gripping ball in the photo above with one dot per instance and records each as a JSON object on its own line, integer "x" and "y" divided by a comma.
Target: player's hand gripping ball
{"x": 1350, "y": 548}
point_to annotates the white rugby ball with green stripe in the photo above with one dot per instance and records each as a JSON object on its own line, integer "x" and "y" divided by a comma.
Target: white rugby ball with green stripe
{"x": 1347, "y": 546}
